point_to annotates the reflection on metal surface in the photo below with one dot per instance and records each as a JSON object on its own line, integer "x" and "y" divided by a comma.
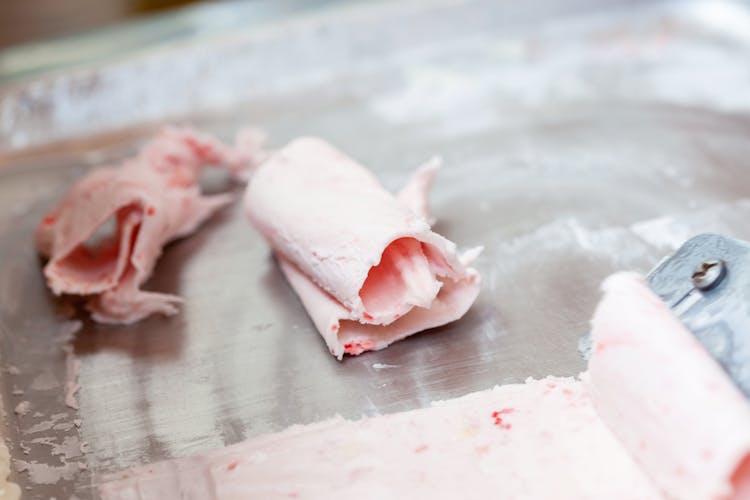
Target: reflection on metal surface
{"x": 586, "y": 146}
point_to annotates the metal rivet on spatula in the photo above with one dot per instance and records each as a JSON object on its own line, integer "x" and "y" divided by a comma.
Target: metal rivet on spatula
{"x": 709, "y": 273}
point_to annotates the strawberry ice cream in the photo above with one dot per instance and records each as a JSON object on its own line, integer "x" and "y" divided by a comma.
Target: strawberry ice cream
{"x": 669, "y": 402}
{"x": 153, "y": 198}
{"x": 542, "y": 439}
{"x": 653, "y": 418}
{"x": 365, "y": 264}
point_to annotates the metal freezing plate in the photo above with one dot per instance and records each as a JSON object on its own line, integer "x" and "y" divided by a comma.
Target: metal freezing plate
{"x": 575, "y": 144}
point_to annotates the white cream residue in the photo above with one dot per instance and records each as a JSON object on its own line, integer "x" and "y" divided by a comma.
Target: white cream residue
{"x": 383, "y": 366}
{"x": 22, "y": 408}
{"x": 8, "y": 490}
{"x": 662, "y": 232}
{"x": 40, "y": 473}
{"x": 72, "y": 368}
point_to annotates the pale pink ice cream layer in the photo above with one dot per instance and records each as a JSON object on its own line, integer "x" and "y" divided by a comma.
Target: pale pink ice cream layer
{"x": 154, "y": 198}
{"x": 653, "y": 418}
{"x": 542, "y": 439}
{"x": 365, "y": 263}
{"x": 671, "y": 405}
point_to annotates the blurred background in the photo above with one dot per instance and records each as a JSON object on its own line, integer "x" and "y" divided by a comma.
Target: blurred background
{"x": 71, "y": 68}
{"x": 31, "y": 20}
{"x": 39, "y": 36}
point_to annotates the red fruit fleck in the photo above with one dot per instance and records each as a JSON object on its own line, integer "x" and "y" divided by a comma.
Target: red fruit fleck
{"x": 551, "y": 385}
{"x": 232, "y": 466}
{"x": 567, "y": 392}
{"x": 498, "y": 420}
{"x": 396, "y": 316}
{"x": 367, "y": 316}
{"x": 334, "y": 328}
{"x": 150, "y": 211}
{"x": 358, "y": 347}
{"x": 49, "y": 220}
{"x": 420, "y": 448}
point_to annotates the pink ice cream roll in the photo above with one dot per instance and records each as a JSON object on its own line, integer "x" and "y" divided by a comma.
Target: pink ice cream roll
{"x": 672, "y": 406}
{"x": 154, "y": 198}
{"x": 365, "y": 263}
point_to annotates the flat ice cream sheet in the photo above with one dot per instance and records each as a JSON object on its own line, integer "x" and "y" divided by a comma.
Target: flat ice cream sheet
{"x": 365, "y": 263}
{"x": 654, "y": 417}
{"x": 151, "y": 199}
{"x": 542, "y": 439}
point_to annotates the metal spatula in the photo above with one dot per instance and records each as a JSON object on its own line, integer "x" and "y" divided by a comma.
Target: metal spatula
{"x": 706, "y": 282}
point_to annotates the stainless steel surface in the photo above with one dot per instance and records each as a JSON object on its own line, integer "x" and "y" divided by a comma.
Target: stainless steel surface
{"x": 715, "y": 308}
{"x": 575, "y": 145}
